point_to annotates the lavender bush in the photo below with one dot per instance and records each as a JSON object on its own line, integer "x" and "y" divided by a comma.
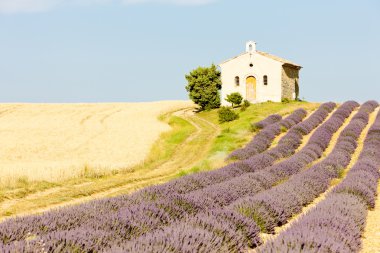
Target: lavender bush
{"x": 271, "y": 119}
{"x": 227, "y": 231}
{"x": 263, "y": 139}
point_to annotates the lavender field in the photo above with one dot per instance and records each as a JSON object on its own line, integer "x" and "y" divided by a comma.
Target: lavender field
{"x": 235, "y": 208}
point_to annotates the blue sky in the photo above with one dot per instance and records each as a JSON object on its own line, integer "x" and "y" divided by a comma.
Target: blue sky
{"x": 140, "y": 50}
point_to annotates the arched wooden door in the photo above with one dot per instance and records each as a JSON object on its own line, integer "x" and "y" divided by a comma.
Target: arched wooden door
{"x": 251, "y": 88}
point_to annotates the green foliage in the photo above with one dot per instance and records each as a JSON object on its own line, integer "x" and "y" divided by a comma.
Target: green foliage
{"x": 203, "y": 86}
{"x": 245, "y": 105}
{"x": 234, "y": 98}
{"x": 226, "y": 114}
{"x": 283, "y": 129}
{"x": 254, "y": 128}
{"x": 285, "y": 100}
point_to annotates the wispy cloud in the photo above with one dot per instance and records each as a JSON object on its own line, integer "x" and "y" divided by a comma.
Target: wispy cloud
{"x": 15, "y": 6}
{"x": 178, "y": 2}
{"x": 11, "y": 6}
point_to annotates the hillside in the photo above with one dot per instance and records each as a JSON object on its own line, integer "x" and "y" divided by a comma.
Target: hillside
{"x": 305, "y": 182}
{"x": 170, "y": 157}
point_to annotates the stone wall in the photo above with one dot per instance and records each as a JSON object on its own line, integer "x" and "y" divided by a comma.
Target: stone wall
{"x": 289, "y": 79}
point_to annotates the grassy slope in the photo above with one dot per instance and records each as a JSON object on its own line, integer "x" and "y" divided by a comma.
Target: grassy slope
{"x": 237, "y": 133}
{"x": 171, "y": 156}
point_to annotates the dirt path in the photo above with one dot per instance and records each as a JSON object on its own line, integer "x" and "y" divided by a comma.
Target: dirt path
{"x": 183, "y": 158}
{"x": 354, "y": 159}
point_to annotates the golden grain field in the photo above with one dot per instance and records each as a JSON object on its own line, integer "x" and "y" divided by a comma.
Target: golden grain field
{"x": 59, "y": 141}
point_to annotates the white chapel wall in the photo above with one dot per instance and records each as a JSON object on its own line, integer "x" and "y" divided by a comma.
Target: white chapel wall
{"x": 240, "y": 66}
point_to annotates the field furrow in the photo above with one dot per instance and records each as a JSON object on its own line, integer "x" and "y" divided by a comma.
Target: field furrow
{"x": 371, "y": 235}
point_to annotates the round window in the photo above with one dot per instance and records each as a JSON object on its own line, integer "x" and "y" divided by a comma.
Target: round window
{"x": 251, "y": 65}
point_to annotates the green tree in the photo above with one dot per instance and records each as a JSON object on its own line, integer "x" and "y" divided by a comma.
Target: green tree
{"x": 234, "y": 98}
{"x": 203, "y": 86}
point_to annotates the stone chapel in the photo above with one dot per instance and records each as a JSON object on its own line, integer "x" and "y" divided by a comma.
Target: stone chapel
{"x": 259, "y": 76}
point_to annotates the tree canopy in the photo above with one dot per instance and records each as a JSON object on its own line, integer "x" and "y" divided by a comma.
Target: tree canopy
{"x": 203, "y": 86}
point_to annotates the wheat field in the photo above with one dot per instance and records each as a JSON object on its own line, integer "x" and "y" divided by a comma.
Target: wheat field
{"x": 60, "y": 141}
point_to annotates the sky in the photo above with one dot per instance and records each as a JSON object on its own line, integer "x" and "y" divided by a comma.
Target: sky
{"x": 140, "y": 50}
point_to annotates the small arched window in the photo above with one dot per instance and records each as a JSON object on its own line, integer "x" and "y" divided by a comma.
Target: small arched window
{"x": 265, "y": 80}
{"x": 237, "y": 81}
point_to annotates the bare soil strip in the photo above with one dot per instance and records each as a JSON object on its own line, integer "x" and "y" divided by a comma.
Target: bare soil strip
{"x": 278, "y": 137}
{"x": 371, "y": 236}
{"x": 354, "y": 159}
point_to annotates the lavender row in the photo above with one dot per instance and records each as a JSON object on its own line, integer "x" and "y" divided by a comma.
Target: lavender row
{"x": 271, "y": 119}
{"x": 217, "y": 196}
{"x": 336, "y": 224}
{"x": 274, "y": 207}
{"x": 212, "y": 231}
{"x": 265, "y": 137}
{"x": 365, "y": 173}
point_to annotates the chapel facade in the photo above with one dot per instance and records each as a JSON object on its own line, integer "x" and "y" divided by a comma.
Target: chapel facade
{"x": 259, "y": 76}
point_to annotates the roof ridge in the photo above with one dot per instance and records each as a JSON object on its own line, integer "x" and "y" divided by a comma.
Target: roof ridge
{"x": 271, "y": 56}
{"x": 277, "y": 58}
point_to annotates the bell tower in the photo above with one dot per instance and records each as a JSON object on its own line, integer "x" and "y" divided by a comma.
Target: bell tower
{"x": 250, "y": 47}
